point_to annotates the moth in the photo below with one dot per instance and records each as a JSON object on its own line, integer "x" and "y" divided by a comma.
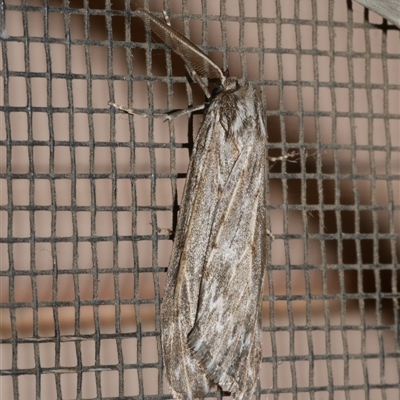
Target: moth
{"x": 211, "y": 311}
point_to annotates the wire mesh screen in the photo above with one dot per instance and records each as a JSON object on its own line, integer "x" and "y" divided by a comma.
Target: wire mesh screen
{"x": 90, "y": 195}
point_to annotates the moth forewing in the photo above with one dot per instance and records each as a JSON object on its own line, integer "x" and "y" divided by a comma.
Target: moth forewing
{"x": 211, "y": 311}
{"x": 211, "y": 314}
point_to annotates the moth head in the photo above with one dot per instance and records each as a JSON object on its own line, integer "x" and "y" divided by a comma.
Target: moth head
{"x": 230, "y": 85}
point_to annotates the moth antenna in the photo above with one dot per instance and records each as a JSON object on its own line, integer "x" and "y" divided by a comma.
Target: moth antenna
{"x": 195, "y": 59}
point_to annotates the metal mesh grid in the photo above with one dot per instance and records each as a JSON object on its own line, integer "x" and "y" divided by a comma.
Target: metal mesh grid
{"x": 88, "y": 194}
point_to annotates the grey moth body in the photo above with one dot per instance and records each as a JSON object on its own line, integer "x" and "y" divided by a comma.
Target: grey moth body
{"x": 211, "y": 311}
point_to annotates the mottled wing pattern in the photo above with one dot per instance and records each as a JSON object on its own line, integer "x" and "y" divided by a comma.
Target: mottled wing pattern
{"x": 195, "y": 59}
{"x": 211, "y": 308}
{"x": 179, "y": 309}
{"x": 226, "y": 337}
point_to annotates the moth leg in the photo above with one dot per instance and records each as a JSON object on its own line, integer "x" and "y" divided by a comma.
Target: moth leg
{"x": 199, "y": 80}
{"x": 132, "y": 111}
{"x": 166, "y": 231}
{"x": 284, "y": 157}
{"x": 166, "y": 18}
{"x": 175, "y": 114}
{"x": 270, "y": 234}
{"x": 168, "y": 116}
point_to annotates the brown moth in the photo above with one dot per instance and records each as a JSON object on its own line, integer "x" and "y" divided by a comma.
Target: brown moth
{"x": 211, "y": 311}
